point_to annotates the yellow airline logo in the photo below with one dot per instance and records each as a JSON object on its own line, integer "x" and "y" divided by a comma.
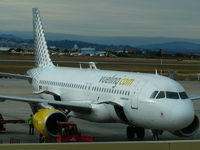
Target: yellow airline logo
{"x": 126, "y": 81}
{"x": 116, "y": 80}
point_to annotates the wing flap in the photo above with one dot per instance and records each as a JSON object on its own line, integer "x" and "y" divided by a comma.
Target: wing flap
{"x": 17, "y": 76}
{"x": 84, "y": 107}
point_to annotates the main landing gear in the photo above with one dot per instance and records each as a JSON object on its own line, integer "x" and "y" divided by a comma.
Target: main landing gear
{"x": 156, "y": 134}
{"x": 132, "y": 130}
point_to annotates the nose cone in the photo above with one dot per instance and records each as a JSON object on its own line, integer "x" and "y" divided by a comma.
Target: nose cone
{"x": 182, "y": 115}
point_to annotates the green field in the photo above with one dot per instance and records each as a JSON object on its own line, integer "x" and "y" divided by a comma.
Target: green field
{"x": 184, "y": 72}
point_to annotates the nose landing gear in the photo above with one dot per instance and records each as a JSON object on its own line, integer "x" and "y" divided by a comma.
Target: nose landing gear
{"x": 132, "y": 130}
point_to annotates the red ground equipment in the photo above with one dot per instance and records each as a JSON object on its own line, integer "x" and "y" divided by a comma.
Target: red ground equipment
{"x": 71, "y": 133}
{"x": 2, "y": 122}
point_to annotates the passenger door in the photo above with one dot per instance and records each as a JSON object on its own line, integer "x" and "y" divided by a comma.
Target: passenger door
{"x": 136, "y": 94}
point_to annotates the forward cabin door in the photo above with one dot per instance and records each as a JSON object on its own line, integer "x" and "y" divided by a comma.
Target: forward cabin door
{"x": 136, "y": 93}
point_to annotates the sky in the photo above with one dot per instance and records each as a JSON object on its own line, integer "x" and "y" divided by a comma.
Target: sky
{"x": 144, "y": 18}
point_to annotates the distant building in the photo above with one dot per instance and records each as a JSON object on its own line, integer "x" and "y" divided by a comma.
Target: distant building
{"x": 4, "y": 49}
{"x": 101, "y": 53}
{"x": 52, "y": 47}
{"x": 88, "y": 51}
{"x": 75, "y": 47}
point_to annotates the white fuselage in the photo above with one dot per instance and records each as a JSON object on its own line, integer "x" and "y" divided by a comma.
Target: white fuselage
{"x": 117, "y": 96}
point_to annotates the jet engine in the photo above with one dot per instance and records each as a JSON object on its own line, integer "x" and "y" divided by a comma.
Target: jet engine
{"x": 45, "y": 121}
{"x": 189, "y": 130}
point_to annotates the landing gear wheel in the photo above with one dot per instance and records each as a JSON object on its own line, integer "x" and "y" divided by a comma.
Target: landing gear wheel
{"x": 130, "y": 132}
{"x": 140, "y": 132}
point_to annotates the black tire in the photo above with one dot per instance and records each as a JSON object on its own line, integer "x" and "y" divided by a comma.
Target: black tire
{"x": 140, "y": 132}
{"x": 130, "y": 132}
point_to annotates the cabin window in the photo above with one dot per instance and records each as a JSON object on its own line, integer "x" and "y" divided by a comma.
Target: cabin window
{"x": 112, "y": 90}
{"x": 115, "y": 91}
{"x": 122, "y": 92}
{"x": 107, "y": 90}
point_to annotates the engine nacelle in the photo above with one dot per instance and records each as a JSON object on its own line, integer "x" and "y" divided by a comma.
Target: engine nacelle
{"x": 189, "y": 130}
{"x": 45, "y": 121}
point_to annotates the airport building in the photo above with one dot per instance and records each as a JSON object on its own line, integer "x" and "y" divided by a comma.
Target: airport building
{"x": 88, "y": 51}
{"x": 4, "y": 49}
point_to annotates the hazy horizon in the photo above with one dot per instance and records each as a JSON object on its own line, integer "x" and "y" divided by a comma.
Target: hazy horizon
{"x": 155, "y": 18}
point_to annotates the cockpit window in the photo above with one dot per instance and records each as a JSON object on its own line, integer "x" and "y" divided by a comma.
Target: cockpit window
{"x": 161, "y": 95}
{"x": 183, "y": 95}
{"x": 167, "y": 94}
{"x": 172, "y": 95}
{"x": 153, "y": 95}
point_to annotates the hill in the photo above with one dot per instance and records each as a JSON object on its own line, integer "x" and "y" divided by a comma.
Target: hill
{"x": 174, "y": 47}
{"x": 11, "y": 41}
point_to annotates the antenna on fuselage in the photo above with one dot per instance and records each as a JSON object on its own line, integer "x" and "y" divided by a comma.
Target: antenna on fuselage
{"x": 92, "y": 65}
{"x": 156, "y": 71}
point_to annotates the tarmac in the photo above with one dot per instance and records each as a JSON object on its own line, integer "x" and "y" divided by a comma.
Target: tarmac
{"x": 102, "y": 132}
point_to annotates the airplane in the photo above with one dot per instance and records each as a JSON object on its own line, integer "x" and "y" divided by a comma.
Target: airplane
{"x": 139, "y": 100}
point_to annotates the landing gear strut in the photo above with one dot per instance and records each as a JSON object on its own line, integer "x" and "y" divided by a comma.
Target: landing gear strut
{"x": 140, "y": 133}
{"x": 132, "y": 130}
{"x": 156, "y": 134}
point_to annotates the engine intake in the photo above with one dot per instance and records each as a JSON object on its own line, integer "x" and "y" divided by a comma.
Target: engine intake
{"x": 189, "y": 130}
{"x": 45, "y": 121}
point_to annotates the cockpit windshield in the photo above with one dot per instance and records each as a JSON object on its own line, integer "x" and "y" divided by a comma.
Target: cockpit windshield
{"x": 183, "y": 95}
{"x": 172, "y": 95}
{"x": 168, "y": 94}
{"x": 160, "y": 95}
{"x": 153, "y": 95}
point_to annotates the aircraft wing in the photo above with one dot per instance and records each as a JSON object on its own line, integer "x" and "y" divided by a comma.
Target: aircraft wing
{"x": 194, "y": 97}
{"x": 17, "y": 76}
{"x": 83, "y": 107}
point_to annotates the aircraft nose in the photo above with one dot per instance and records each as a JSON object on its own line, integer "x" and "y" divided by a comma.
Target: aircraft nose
{"x": 182, "y": 115}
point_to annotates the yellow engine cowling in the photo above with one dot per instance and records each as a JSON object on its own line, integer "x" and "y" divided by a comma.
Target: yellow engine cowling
{"x": 45, "y": 121}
